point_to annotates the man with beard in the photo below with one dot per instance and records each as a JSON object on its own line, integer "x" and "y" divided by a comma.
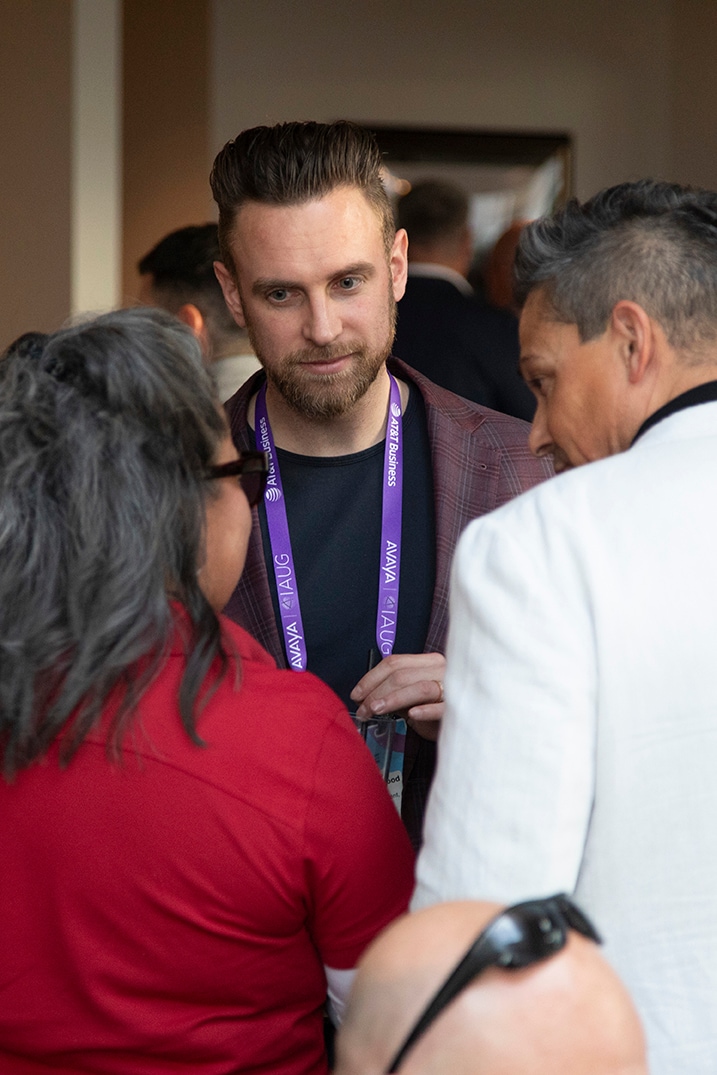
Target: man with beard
{"x": 374, "y": 470}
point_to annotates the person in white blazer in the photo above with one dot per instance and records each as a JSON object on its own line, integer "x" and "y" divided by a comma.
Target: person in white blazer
{"x": 579, "y": 748}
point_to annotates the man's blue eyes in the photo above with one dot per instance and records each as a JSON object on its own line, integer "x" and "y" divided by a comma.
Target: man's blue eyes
{"x": 346, "y": 283}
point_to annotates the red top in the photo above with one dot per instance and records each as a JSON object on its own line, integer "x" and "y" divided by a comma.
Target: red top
{"x": 172, "y": 913}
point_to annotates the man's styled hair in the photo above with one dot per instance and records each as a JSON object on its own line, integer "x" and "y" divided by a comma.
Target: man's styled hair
{"x": 433, "y": 211}
{"x": 182, "y": 269}
{"x": 293, "y": 163}
{"x": 651, "y": 242}
{"x": 106, "y": 431}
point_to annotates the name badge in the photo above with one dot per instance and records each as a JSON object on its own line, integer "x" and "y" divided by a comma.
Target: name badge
{"x": 386, "y": 739}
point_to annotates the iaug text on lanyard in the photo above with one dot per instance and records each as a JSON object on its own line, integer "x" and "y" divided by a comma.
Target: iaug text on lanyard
{"x": 386, "y": 736}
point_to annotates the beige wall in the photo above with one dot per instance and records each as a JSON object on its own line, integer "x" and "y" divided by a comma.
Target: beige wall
{"x": 166, "y": 124}
{"x": 96, "y": 247}
{"x": 598, "y": 69}
{"x": 35, "y": 165}
{"x": 693, "y": 35}
{"x": 633, "y": 80}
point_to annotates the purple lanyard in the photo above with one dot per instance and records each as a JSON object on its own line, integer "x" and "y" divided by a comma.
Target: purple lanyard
{"x": 280, "y": 541}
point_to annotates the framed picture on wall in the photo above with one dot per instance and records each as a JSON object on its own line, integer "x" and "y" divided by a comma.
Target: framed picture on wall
{"x": 509, "y": 177}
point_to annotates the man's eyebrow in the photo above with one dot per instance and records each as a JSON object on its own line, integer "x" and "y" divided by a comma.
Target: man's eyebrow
{"x": 361, "y": 268}
{"x": 267, "y": 283}
{"x": 528, "y": 365}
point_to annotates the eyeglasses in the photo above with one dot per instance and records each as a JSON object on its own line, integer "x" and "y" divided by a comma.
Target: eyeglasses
{"x": 251, "y": 468}
{"x": 518, "y": 937}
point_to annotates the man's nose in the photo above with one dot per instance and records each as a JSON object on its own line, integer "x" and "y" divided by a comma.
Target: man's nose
{"x": 323, "y": 324}
{"x": 539, "y": 440}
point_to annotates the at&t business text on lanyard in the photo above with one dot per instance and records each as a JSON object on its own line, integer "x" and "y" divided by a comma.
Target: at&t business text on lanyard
{"x": 385, "y": 736}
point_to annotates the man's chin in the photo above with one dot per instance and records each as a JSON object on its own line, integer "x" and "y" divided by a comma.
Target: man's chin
{"x": 328, "y": 395}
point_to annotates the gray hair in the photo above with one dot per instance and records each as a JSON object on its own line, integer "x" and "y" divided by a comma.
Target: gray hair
{"x": 650, "y": 242}
{"x": 106, "y": 431}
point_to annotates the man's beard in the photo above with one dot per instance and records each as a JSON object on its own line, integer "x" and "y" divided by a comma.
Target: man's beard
{"x": 332, "y": 394}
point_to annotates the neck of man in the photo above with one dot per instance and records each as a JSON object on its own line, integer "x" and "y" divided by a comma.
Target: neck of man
{"x": 360, "y": 427}
{"x": 671, "y": 381}
{"x": 689, "y": 376}
{"x": 454, "y": 252}
{"x": 677, "y": 378}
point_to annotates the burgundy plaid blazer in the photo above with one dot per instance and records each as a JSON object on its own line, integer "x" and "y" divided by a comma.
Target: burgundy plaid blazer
{"x": 481, "y": 460}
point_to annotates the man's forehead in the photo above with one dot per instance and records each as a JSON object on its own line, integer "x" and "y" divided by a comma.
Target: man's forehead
{"x": 545, "y": 342}
{"x": 327, "y": 234}
{"x": 537, "y": 322}
{"x": 343, "y": 202}
{"x": 537, "y": 308}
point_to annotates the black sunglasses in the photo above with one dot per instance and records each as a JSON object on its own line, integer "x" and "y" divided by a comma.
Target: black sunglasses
{"x": 518, "y": 937}
{"x": 251, "y": 468}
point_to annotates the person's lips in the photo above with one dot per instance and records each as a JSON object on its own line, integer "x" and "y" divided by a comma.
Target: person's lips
{"x": 319, "y": 367}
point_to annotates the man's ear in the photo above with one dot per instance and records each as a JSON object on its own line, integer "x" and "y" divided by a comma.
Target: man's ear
{"x": 635, "y": 335}
{"x": 398, "y": 263}
{"x": 191, "y": 315}
{"x": 231, "y": 292}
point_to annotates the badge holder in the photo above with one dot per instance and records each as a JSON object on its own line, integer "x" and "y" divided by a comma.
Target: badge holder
{"x": 386, "y": 739}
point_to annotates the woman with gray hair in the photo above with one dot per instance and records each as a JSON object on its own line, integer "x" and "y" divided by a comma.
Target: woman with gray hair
{"x": 193, "y": 844}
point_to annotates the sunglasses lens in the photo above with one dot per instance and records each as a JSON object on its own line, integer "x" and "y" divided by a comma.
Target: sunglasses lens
{"x": 251, "y": 471}
{"x": 253, "y": 485}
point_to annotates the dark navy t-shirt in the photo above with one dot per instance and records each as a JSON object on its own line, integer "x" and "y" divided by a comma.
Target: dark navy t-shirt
{"x": 333, "y": 507}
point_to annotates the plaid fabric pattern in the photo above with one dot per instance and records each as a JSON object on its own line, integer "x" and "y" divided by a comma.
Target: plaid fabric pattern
{"x": 481, "y": 460}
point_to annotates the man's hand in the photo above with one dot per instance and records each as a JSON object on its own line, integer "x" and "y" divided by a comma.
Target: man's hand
{"x": 410, "y": 684}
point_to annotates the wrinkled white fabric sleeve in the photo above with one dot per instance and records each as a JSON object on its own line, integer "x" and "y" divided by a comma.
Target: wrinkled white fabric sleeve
{"x": 339, "y": 984}
{"x": 510, "y": 805}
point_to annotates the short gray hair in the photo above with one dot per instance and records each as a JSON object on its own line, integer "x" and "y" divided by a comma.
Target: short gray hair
{"x": 650, "y": 242}
{"x": 106, "y": 431}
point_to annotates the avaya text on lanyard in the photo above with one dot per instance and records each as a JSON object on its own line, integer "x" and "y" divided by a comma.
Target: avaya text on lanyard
{"x": 280, "y": 539}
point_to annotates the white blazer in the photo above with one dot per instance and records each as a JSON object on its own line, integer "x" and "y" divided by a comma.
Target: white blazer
{"x": 579, "y": 747}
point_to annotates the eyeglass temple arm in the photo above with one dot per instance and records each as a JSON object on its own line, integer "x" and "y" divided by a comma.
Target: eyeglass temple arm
{"x": 576, "y": 919}
{"x": 482, "y": 954}
{"x": 472, "y": 963}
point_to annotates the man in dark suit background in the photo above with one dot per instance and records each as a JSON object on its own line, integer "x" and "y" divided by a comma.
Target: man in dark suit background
{"x": 443, "y": 330}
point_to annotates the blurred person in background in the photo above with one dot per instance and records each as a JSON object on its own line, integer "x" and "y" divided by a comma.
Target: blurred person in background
{"x": 178, "y": 275}
{"x": 498, "y": 269}
{"x": 443, "y": 329}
